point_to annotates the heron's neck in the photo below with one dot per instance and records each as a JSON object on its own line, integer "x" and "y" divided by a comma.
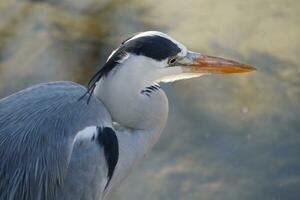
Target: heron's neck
{"x": 133, "y": 105}
{"x": 130, "y": 103}
{"x": 141, "y": 116}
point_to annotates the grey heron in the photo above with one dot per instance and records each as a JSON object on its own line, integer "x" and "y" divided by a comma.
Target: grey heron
{"x": 60, "y": 140}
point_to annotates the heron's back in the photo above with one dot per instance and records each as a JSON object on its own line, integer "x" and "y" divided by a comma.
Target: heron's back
{"x": 37, "y": 130}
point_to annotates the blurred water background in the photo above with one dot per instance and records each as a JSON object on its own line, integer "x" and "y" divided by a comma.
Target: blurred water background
{"x": 228, "y": 137}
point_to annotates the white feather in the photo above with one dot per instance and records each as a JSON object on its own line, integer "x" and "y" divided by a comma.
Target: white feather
{"x": 178, "y": 77}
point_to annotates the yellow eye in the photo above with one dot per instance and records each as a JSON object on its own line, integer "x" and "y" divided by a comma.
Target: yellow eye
{"x": 172, "y": 61}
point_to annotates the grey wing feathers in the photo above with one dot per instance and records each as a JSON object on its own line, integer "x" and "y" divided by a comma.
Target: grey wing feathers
{"x": 37, "y": 130}
{"x": 85, "y": 181}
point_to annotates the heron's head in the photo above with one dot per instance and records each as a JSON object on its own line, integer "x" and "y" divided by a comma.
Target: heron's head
{"x": 153, "y": 56}
{"x": 126, "y": 82}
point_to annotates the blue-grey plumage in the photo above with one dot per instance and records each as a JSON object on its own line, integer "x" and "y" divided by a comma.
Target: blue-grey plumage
{"x": 37, "y": 130}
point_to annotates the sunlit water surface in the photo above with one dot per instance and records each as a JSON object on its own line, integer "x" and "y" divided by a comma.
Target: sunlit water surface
{"x": 227, "y": 137}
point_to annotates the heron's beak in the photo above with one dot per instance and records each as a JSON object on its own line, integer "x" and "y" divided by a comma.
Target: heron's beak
{"x": 198, "y": 63}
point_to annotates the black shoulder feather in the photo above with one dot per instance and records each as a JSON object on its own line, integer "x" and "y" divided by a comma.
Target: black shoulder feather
{"x": 107, "y": 138}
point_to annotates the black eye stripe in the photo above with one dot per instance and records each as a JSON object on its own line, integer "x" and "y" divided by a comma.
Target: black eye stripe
{"x": 155, "y": 47}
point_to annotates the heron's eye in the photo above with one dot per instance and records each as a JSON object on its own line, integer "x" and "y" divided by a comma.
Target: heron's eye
{"x": 172, "y": 61}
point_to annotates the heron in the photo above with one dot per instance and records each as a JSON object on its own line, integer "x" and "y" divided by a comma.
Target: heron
{"x": 61, "y": 140}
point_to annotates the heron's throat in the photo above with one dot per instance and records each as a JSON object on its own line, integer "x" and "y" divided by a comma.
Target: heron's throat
{"x": 133, "y": 105}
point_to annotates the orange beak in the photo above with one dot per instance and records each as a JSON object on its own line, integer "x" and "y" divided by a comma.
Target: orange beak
{"x": 199, "y": 63}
